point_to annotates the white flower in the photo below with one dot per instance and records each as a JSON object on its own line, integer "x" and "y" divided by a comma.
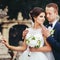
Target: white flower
{"x": 52, "y": 32}
{"x": 33, "y": 41}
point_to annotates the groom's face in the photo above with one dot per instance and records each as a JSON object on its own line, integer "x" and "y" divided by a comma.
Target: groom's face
{"x": 50, "y": 14}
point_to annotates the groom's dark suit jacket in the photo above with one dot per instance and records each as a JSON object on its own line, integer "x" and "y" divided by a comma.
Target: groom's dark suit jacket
{"x": 54, "y": 41}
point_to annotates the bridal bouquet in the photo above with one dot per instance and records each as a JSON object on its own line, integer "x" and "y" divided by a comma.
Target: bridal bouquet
{"x": 33, "y": 41}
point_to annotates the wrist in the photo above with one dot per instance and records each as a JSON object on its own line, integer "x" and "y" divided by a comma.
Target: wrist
{"x": 7, "y": 45}
{"x": 47, "y": 36}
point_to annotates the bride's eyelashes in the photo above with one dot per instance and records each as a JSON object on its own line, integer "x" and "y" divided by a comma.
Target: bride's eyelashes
{"x": 42, "y": 16}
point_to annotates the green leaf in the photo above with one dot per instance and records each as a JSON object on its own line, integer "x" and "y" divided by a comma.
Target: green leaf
{"x": 33, "y": 38}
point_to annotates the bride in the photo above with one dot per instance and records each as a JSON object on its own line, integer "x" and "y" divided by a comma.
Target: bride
{"x": 35, "y": 47}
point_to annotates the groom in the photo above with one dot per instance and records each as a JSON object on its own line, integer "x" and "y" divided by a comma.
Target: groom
{"x": 54, "y": 39}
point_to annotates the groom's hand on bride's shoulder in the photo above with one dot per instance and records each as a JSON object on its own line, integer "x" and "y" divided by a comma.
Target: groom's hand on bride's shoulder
{"x": 24, "y": 33}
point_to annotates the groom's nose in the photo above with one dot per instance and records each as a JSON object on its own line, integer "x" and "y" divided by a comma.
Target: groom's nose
{"x": 47, "y": 15}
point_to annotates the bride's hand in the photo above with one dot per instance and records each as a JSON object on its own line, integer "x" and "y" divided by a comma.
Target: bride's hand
{"x": 32, "y": 49}
{"x": 5, "y": 42}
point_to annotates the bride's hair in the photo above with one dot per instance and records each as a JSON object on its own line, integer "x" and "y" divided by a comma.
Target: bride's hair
{"x": 35, "y": 12}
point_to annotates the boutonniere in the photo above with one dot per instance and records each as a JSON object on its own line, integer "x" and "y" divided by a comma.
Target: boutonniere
{"x": 52, "y": 32}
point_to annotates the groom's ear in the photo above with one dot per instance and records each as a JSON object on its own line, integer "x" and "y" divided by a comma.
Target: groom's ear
{"x": 55, "y": 11}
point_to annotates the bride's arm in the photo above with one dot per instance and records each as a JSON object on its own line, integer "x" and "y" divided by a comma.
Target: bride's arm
{"x": 45, "y": 48}
{"x": 19, "y": 48}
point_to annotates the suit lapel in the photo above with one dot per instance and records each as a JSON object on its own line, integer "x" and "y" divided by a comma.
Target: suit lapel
{"x": 56, "y": 25}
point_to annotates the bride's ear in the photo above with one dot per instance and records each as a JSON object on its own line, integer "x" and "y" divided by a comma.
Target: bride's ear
{"x": 34, "y": 18}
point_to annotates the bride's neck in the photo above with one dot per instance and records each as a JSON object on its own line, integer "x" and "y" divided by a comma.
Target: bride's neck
{"x": 36, "y": 26}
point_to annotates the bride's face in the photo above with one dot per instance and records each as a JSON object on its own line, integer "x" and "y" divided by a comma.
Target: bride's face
{"x": 40, "y": 18}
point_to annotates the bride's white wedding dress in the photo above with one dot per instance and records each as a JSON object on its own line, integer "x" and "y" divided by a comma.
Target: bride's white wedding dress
{"x": 27, "y": 55}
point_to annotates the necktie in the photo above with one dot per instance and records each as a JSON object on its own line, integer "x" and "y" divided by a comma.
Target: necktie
{"x": 50, "y": 25}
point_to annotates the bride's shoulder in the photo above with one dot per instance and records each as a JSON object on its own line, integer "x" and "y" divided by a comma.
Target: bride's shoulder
{"x": 28, "y": 28}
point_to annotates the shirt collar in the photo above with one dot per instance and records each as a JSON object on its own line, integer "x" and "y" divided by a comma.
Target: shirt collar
{"x": 54, "y": 22}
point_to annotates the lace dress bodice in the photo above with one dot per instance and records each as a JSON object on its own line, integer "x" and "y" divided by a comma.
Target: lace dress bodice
{"x": 34, "y": 36}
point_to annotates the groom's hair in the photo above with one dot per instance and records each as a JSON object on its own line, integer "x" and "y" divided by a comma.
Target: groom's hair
{"x": 54, "y": 5}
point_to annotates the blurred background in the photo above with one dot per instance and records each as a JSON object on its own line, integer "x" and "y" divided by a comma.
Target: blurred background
{"x": 24, "y": 6}
{"x": 14, "y": 19}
